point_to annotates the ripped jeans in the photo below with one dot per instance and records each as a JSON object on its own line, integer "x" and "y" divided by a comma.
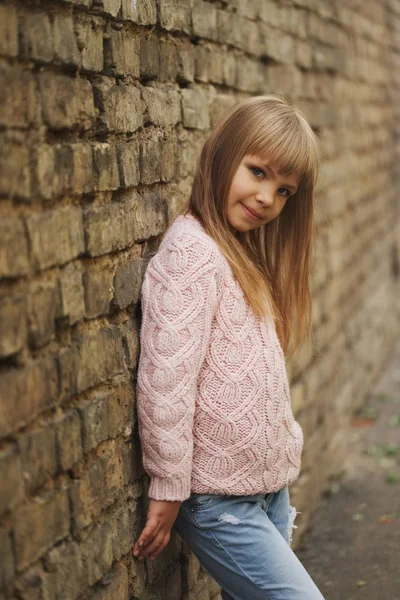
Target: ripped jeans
{"x": 243, "y": 542}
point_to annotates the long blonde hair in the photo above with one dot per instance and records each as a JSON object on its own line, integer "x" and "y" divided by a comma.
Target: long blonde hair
{"x": 271, "y": 263}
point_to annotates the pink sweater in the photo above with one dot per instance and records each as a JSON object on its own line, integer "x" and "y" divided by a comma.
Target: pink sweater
{"x": 213, "y": 396}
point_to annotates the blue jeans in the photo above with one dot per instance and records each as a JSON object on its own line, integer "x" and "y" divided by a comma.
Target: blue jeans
{"x": 243, "y": 542}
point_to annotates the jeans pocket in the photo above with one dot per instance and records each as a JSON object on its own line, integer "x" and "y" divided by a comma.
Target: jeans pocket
{"x": 202, "y": 501}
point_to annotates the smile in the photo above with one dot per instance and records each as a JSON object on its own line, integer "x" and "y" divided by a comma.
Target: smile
{"x": 250, "y": 213}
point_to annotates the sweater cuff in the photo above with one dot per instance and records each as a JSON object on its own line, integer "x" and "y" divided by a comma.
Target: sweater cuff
{"x": 173, "y": 489}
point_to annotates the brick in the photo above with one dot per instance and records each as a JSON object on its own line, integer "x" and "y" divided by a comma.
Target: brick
{"x": 127, "y": 283}
{"x": 163, "y": 106}
{"x": 116, "y": 585}
{"x": 98, "y": 290}
{"x": 248, "y": 8}
{"x": 169, "y": 59}
{"x": 101, "y": 237}
{"x": 100, "y": 357}
{"x": 303, "y": 54}
{"x": 124, "y": 53}
{"x": 150, "y": 220}
{"x": 124, "y": 525}
{"x": 94, "y": 418}
{"x": 67, "y": 102}
{"x": 285, "y": 79}
{"x": 130, "y": 331}
{"x": 143, "y": 12}
{"x": 188, "y": 151}
{"x": 8, "y": 31}
{"x": 228, "y": 28}
{"x": 64, "y": 40}
{"x": 280, "y": 46}
{"x": 175, "y": 15}
{"x": 12, "y": 489}
{"x": 36, "y": 36}
{"x": 202, "y": 60}
{"x": 7, "y": 560}
{"x": 326, "y": 58}
{"x": 97, "y": 552}
{"x": 15, "y": 177}
{"x": 269, "y": 12}
{"x": 186, "y": 69}
{"x": 195, "y": 109}
{"x": 71, "y": 298}
{"x": 149, "y": 56}
{"x": 32, "y": 539}
{"x": 121, "y": 417}
{"x": 66, "y": 576}
{"x": 110, "y": 7}
{"x": 105, "y": 167}
{"x": 216, "y": 68}
{"x": 38, "y": 455}
{"x": 67, "y": 364}
{"x": 17, "y": 97}
{"x": 82, "y": 166}
{"x": 123, "y": 109}
{"x": 204, "y": 19}
{"x": 251, "y": 39}
{"x": 128, "y": 162}
{"x": 221, "y": 105}
{"x": 25, "y": 393}
{"x": 87, "y": 496}
{"x": 149, "y": 160}
{"x": 134, "y": 219}
{"x": 54, "y": 169}
{"x": 113, "y": 472}
{"x": 56, "y": 236}
{"x": 168, "y": 160}
{"x": 68, "y": 440}
{"x": 131, "y": 454}
{"x": 30, "y": 584}
{"x": 89, "y": 36}
{"x": 42, "y": 302}
{"x": 12, "y": 325}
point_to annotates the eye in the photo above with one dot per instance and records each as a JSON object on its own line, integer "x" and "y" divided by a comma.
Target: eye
{"x": 284, "y": 192}
{"x": 257, "y": 171}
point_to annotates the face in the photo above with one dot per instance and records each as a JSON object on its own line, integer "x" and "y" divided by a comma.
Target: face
{"x": 258, "y": 193}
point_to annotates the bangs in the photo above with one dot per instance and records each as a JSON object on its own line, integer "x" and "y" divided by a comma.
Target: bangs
{"x": 291, "y": 143}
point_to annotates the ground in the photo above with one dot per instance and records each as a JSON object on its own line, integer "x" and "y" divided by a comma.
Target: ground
{"x": 352, "y": 547}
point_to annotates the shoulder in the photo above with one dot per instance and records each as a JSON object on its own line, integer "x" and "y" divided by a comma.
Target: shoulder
{"x": 186, "y": 245}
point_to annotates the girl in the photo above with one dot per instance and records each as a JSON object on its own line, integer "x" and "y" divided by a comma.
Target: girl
{"x": 224, "y": 297}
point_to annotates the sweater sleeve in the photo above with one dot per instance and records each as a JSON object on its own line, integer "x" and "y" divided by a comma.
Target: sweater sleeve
{"x": 179, "y": 296}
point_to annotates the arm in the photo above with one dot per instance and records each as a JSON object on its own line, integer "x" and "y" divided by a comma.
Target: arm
{"x": 179, "y": 296}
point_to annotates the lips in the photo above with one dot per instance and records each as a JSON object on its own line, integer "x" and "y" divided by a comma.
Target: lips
{"x": 252, "y": 213}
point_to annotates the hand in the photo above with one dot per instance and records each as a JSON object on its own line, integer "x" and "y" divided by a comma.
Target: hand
{"x": 161, "y": 515}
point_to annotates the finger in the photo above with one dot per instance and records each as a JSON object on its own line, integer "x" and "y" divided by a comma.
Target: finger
{"x": 148, "y": 534}
{"x": 161, "y": 547}
{"x": 155, "y": 546}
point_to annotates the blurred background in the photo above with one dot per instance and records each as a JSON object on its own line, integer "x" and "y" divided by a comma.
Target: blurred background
{"x": 105, "y": 105}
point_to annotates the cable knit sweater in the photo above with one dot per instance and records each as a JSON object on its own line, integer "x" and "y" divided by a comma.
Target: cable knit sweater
{"x": 212, "y": 391}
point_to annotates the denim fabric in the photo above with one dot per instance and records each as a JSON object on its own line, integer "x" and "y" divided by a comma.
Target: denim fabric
{"x": 244, "y": 544}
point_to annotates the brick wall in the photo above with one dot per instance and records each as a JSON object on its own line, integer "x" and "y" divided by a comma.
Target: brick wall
{"x": 105, "y": 105}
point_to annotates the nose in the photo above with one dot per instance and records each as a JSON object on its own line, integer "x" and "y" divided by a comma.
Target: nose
{"x": 265, "y": 195}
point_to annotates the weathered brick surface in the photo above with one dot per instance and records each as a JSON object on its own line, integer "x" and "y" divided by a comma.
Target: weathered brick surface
{"x": 38, "y": 456}
{"x": 32, "y": 538}
{"x": 55, "y": 236}
{"x": 12, "y": 324}
{"x": 105, "y": 107}
{"x": 11, "y": 475}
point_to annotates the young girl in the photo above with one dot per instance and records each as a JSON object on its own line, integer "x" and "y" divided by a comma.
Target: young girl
{"x": 224, "y": 297}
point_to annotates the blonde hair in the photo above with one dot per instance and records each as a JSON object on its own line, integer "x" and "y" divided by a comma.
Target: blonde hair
{"x": 271, "y": 263}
